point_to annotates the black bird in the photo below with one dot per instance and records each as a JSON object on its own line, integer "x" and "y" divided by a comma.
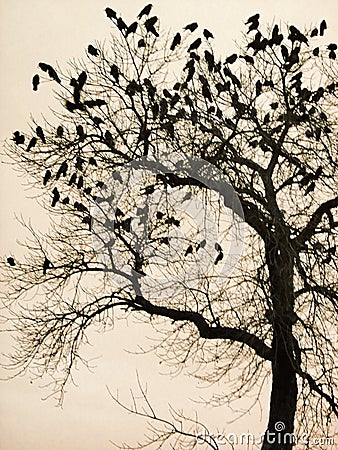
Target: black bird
{"x": 209, "y": 57}
{"x": 145, "y": 11}
{"x": 80, "y": 207}
{"x": 80, "y": 182}
{"x": 92, "y": 50}
{"x": 121, "y": 25}
{"x": 36, "y": 82}
{"x": 56, "y": 196}
{"x": 131, "y": 29}
{"x": 322, "y": 27}
{"x": 316, "y": 51}
{"x": 276, "y": 38}
{"x": 201, "y": 245}
{"x": 51, "y": 71}
{"x": 32, "y": 143}
{"x": 11, "y": 261}
{"x": 141, "y": 43}
{"x": 59, "y": 131}
{"x": 191, "y": 27}
{"x": 253, "y": 21}
{"x": 62, "y": 170}
{"x": 332, "y": 54}
{"x": 40, "y": 134}
{"x": 47, "y": 177}
{"x": 219, "y": 258}
{"x": 206, "y": 92}
{"x": 195, "y": 44}
{"x": 73, "y": 106}
{"x": 111, "y": 14}
{"x": 81, "y": 80}
{"x": 332, "y": 47}
{"x": 79, "y": 163}
{"x": 93, "y": 103}
{"x": 231, "y": 59}
{"x": 149, "y": 24}
{"x": 114, "y": 70}
{"x": 218, "y": 247}
{"x": 314, "y": 32}
{"x": 207, "y": 34}
{"x": 248, "y": 59}
{"x": 176, "y": 41}
{"x": 72, "y": 179}
{"x": 296, "y": 35}
{"x": 46, "y": 265}
{"x": 65, "y": 201}
{"x": 18, "y": 138}
{"x": 258, "y": 88}
{"x": 188, "y": 250}
{"x": 80, "y": 132}
{"x": 92, "y": 161}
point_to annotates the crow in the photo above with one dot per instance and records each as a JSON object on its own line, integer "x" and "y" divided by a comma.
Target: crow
{"x": 51, "y": 72}
{"x": 207, "y": 34}
{"x": 36, "y": 82}
{"x": 80, "y": 132}
{"x": 218, "y": 247}
{"x": 322, "y": 27}
{"x": 201, "y": 245}
{"x": 191, "y": 27}
{"x": 296, "y": 35}
{"x": 72, "y": 179}
{"x": 131, "y": 29}
{"x": 149, "y": 24}
{"x": 81, "y": 80}
{"x": 114, "y": 71}
{"x": 195, "y": 45}
{"x": 80, "y": 182}
{"x": 56, "y": 196}
{"x": 231, "y": 59}
{"x": 47, "y": 177}
{"x": 111, "y": 14}
{"x": 316, "y": 51}
{"x": 219, "y": 258}
{"x": 149, "y": 189}
{"x": 80, "y": 207}
{"x": 11, "y": 261}
{"x": 176, "y": 41}
{"x": 32, "y": 143}
{"x": 59, "y": 131}
{"x": 314, "y": 32}
{"x": 253, "y": 21}
{"x": 276, "y": 38}
{"x": 79, "y": 163}
{"x": 332, "y": 54}
{"x": 65, "y": 201}
{"x": 62, "y": 170}
{"x": 258, "y": 88}
{"x": 40, "y": 134}
{"x": 121, "y": 25}
{"x": 141, "y": 43}
{"x": 209, "y": 57}
{"x": 18, "y": 138}
{"x": 188, "y": 250}
{"x": 73, "y": 106}
{"x": 145, "y": 11}
{"x": 46, "y": 265}
{"x": 92, "y": 50}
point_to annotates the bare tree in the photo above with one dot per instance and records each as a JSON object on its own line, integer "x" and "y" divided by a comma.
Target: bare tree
{"x": 137, "y": 176}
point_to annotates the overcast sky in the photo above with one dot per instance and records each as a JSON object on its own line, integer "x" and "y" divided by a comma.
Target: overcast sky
{"x": 56, "y": 31}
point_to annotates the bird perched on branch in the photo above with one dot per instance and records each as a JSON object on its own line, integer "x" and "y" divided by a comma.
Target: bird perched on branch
{"x": 253, "y": 21}
{"x": 191, "y": 27}
{"x": 145, "y": 11}
{"x": 149, "y": 24}
{"x": 11, "y": 261}
{"x": 176, "y": 41}
{"x": 50, "y": 70}
{"x": 111, "y": 14}
{"x": 92, "y": 50}
{"x": 18, "y": 138}
{"x": 207, "y": 34}
{"x": 36, "y": 82}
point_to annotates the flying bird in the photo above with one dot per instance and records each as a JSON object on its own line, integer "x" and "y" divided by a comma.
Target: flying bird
{"x": 207, "y": 34}
{"x": 40, "y": 134}
{"x": 191, "y": 27}
{"x": 176, "y": 41}
{"x": 92, "y": 50}
{"x": 149, "y": 24}
{"x": 36, "y": 82}
{"x": 11, "y": 261}
{"x": 322, "y": 27}
{"x": 56, "y": 196}
{"x": 32, "y": 143}
{"x": 111, "y": 14}
{"x": 18, "y": 138}
{"x": 47, "y": 177}
{"x": 145, "y": 11}
{"x": 195, "y": 44}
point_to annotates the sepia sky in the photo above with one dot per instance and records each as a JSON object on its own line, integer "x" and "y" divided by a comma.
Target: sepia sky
{"x": 56, "y": 31}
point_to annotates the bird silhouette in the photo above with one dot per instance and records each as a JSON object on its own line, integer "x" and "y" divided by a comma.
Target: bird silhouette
{"x": 141, "y": 43}
{"x": 314, "y": 32}
{"x": 207, "y": 34}
{"x": 79, "y": 163}
{"x": 40, "y": 134}
{"x": 231, "y": 59}
{"x": 11, "y": 261}
{"x": 209, "y": 57}
{"x": 332, "y": 54}
{"x": 47, "y": 177}
{"x": 80, "y": 207}
{"x": 72, "y": 179}
{"x": 145, "y": 11}
{"x": 51, "y": 71}
{"x": 59, "y": 131}
{"x": 121, "y": 25}
{"x": 80, "y": 132}
{"x": 247, "y": 58}
{"x": 219, "y": 258}
{"x": 253, "y": 22}
{"x": 176, "y": 41}
{"x": 46, "y": 265}
{"x": 195, "y": 44}
{"x": 62, "y": 170}
{"x": 189, "y": 250}
{"x": 149, "y": 24}
{"x": 71, "y": 107}
{"x": 114, "y": 71}
{"x": 80, "y": 182}
{"x": 56, "y": 196}
{"x": 32, "y": 143}
{"x": 65, "y": 201}
{"x": 191, "y": 27}
{"x": 276, "y": 38}
{"x": 36, "y": 82}
{"x": 202, "y": 244}
{"x": 92, "y": 50}
{"x": 316, "y": 51}
{"x": 296, "y": 35}
{"x": 131, "y": 29}
{"x": 82, "y": 79}
{"x": 322, "y": 27}
{"x": 111, "y": 14}
{"x": 18, "y": 138}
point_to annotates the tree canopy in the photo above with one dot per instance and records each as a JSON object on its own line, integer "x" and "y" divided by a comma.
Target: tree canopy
{"x": 197, "y": 192}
